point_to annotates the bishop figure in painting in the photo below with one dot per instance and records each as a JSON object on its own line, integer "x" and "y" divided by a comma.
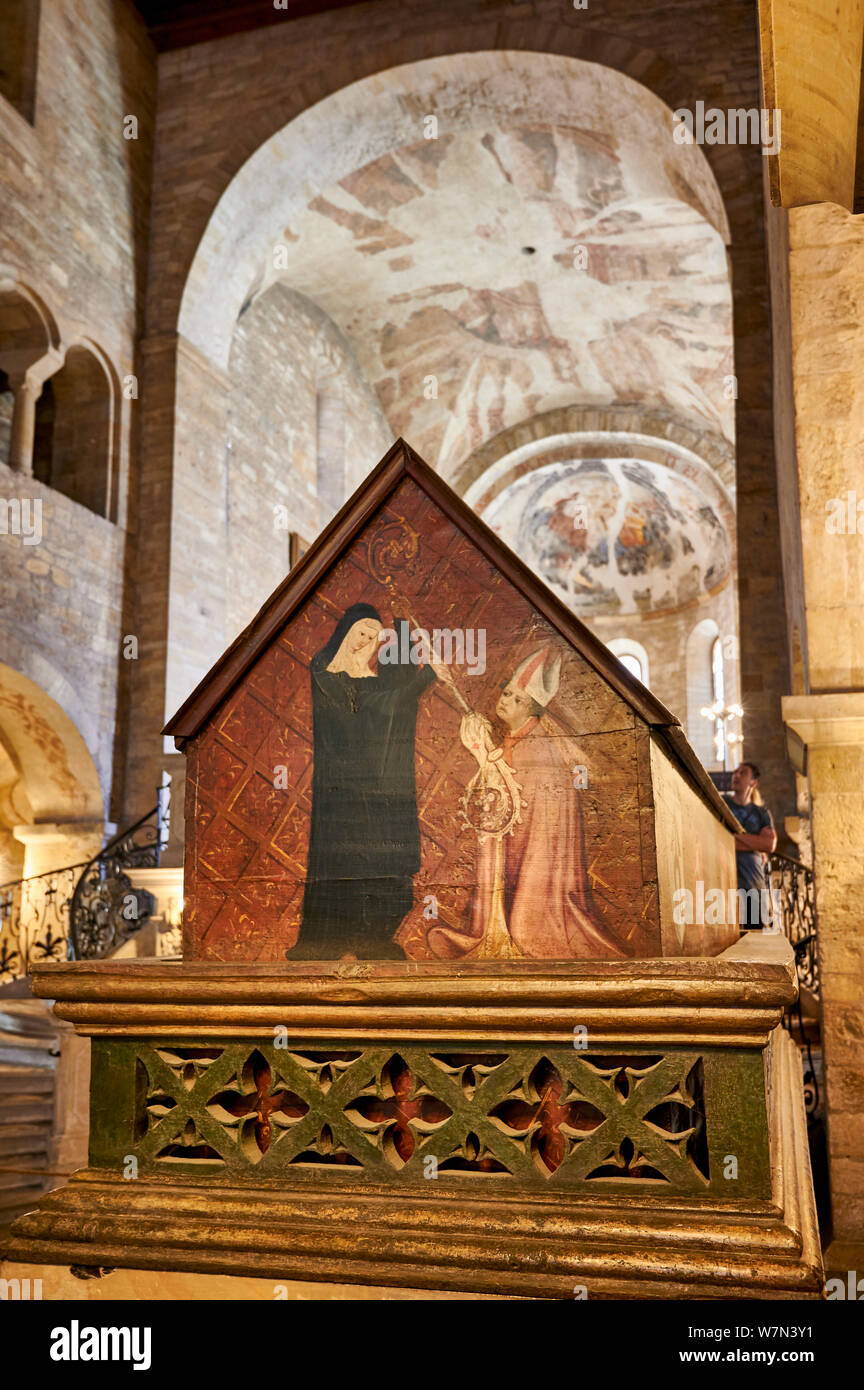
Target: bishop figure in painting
{"x": 532, "y": 895}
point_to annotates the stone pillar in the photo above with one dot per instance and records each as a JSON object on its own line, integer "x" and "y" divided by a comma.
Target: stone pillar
{"x": 26, "y": 392}
{"x": 831, "y": 729}
{"x": 51, "y": 845}
{"x": 182, "y": 535}
{"x": 825, "y": 724}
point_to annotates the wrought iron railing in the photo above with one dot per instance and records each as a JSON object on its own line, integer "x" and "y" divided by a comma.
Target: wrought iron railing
{"x": 105, "y": 909}
{"x": 34, "y": 920}
{"x": 794, "y": 888}
{"x": 84, "y": 911}
{"x": 796, "y": 898}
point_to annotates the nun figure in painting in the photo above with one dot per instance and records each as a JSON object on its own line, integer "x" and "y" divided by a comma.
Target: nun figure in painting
{"x": 532, "y": 896}
{"x": 364, "y": 839}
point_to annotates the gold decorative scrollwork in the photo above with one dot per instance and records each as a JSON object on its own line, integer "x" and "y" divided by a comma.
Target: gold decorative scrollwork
{"x": 392, "y": 549}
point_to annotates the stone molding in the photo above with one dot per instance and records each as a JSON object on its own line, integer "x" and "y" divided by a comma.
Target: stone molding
{"x": 826, "y": 721}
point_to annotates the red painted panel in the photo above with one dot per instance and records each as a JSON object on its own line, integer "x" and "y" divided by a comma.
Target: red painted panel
{"x": 573, "y": 857}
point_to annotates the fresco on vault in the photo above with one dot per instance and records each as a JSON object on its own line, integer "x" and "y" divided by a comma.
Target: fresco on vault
{"x": 615, "y": 535}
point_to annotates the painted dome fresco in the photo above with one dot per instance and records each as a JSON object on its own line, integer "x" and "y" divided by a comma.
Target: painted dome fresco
{"x": 615, "y": 535}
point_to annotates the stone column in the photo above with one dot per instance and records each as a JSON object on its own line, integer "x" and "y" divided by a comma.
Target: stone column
{"x": 825, "y": 722}
{"x": 831, "y": 730}
{"x": 26, "y": 391}
{"x": 182, "y": 534}
{"x": 51, "y": 845}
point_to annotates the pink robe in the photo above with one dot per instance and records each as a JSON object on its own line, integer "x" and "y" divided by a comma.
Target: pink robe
{"x": 546, "y": 895}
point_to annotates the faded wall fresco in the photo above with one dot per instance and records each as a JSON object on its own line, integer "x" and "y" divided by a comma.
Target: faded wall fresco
{"x": 575, "y": 282}
{"x": 615, "y": 535}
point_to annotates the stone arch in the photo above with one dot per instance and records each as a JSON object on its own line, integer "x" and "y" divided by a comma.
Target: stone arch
{"x": 76, "y": 434}
{"x": 352, "y": 126}
{"x": 30, "y": 352}
{"x": 51, "y": 797}
{"x": 27, "y": 325}
{"x": 567, "y": 34}
{"x": 577, "y": 431}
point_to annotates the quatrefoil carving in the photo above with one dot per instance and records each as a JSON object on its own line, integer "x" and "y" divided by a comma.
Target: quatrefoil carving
{"x": 397, "y": 1108}
{"x": 253, "y": 1104}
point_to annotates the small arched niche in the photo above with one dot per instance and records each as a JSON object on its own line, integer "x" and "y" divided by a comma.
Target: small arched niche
{"x": 73, "y": 449}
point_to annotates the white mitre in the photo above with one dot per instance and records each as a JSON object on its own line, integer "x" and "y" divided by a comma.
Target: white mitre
{"x": 537, "y": 679}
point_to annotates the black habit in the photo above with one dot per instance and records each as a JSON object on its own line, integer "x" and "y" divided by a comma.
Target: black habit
{"x": 364, "y": 841}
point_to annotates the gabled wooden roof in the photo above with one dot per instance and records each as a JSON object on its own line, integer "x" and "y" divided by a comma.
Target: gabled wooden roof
{"x": 398, "y": 463}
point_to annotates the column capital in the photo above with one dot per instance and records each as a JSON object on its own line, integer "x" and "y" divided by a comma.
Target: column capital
{"x": 825, "y": 721}
{"x": 56, "y": 832}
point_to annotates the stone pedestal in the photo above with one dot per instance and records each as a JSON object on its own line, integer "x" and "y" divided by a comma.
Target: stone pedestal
{"x": 600, "y": 1129}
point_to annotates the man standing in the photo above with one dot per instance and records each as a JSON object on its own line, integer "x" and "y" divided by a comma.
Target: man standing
{"x": 758, "y": 839}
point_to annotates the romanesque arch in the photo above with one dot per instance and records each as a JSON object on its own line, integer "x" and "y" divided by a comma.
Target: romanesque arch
{"x": 30, "y": 352}
{"x": 271, "y": 173}
{"x": 357, "y": 126}
{"x": 50, "y": 795}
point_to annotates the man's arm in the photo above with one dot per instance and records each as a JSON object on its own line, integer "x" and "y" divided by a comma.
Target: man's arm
{"x": 766, "y": 840}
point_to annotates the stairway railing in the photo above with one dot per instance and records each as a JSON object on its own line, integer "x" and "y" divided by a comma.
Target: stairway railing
{"x": 799, "y": 922}
{"x": 34, "y": 917}
{"x": 84, "y": 911}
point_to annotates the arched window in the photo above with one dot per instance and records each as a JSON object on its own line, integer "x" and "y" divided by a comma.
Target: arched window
{"x": 29, "y": 353}
{"x": 704, "y": 649}
{"x": 19, "y": 45}
{"x": 632, "y": 663}
{"x": 718, "y": 685}
{"x": 632, "y": 655}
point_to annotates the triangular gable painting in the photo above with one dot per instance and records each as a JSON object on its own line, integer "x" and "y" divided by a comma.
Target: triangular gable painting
{"x": 416, "y": 752}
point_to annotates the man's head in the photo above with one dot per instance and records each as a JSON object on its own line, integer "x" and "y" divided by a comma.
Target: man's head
{"x": 515, "y": 707}
{"x": 533, "y": 684}
{"x": 745, "y": 780}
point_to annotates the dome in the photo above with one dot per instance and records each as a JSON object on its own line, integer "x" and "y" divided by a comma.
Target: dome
{"x": 615, "y": 535}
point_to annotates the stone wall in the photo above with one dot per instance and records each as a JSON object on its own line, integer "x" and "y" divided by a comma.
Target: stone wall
{"x": 60, "y": 609}
{"x": 76, "y": 192}
{"x": 74, "y": 231}
{"x": 286, "y": 357}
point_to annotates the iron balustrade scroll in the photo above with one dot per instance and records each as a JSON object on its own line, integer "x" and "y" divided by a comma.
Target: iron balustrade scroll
{"x": 105, "y": 909}
{"x": 797, "y": 900}
{"x": 84, "y": 911}
{"x": 795, "y": 882}
{"x": 34, "y": 920}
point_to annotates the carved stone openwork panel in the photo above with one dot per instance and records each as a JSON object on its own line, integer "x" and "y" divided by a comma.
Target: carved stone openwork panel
{"x": 528, "y": 1116}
